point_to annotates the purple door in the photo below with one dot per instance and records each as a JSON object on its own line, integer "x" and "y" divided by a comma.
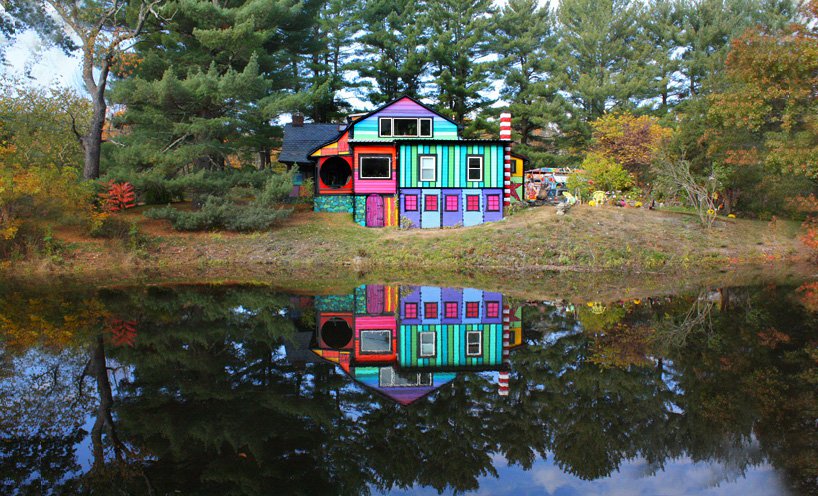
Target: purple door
{"x": 374, "y": 211}
{"x": 374, "y": 299}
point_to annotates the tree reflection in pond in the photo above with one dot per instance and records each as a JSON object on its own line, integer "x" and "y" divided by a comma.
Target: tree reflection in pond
{"x": 229, "y": 390}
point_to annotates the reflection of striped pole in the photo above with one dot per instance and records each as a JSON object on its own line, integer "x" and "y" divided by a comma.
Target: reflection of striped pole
{"x": 505, "y": 135}
{"x": 502, "y": 382}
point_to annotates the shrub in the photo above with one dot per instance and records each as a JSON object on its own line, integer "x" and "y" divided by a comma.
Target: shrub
{"x": 218, "y": 213}
{"x": 600, "y": 173}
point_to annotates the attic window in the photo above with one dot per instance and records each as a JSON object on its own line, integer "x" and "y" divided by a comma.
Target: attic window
{"x": 405, "y": 127}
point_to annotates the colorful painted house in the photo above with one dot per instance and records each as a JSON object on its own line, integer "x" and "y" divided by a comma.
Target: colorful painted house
{"x": 405, "y": 164}
{"x": 407, "y": 342}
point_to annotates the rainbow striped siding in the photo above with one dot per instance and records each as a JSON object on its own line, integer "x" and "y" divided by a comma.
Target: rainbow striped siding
{"x": 451, "y": 165}
{"x": 370, "y": 377}
{"x": 450, "y": 345}
{"x": 367, "y": 129}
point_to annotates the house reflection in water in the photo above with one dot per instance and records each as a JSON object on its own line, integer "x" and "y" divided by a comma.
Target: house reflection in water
{"x": 406, "y": 342}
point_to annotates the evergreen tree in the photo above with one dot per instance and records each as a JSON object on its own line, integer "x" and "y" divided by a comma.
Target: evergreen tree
{"x": 394, "y": 55}
{"x": 206, "y": 83}
{"x": 458, "y": 45}
{"x": 601, "y": 51}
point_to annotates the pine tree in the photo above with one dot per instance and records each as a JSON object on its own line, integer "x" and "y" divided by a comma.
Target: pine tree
{"x": 204, "y": 86}
{"x": 458, "y": 44}
{"x": 394, "y": 55}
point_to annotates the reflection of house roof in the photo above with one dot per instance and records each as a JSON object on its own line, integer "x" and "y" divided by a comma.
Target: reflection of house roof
{"x": 297, "y": 348}
{"x": 299, "y": 141}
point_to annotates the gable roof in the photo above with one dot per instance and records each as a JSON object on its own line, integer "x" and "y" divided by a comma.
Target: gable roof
{"x": 300, "y": 141}
{"x": 396, "y": 100}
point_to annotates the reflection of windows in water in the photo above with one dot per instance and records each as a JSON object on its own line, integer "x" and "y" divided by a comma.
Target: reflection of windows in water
{"x": 427, "y": 344}
{"x": 376, "y": 341}
{"x": 390, "y": 377}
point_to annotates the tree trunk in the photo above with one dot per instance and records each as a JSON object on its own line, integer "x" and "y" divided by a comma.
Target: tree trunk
{"x": 92, "y": 142}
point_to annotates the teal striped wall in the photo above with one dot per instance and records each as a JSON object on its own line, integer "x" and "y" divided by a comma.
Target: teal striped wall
{"x": 451, "y": 165}
{"x": 450, "y": 345}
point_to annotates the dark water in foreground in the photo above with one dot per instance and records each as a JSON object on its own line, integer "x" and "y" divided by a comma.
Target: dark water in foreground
{"x": 408, "y": 390}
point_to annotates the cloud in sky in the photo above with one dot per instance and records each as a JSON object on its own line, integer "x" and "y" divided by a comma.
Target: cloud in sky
{"x": 634, "y": 478}
{"x": 27, "y": 56}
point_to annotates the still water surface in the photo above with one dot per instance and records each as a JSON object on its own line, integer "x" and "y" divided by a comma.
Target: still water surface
{"x": 225, "y": 389}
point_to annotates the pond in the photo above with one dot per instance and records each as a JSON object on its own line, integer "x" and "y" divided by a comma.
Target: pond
{"x": 387, "y": 389}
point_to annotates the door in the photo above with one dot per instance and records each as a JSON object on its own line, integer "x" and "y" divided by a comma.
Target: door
{"x": 374, "y": 211}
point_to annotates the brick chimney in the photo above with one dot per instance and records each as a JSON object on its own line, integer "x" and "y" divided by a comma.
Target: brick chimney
{"x": 298, "y": 119}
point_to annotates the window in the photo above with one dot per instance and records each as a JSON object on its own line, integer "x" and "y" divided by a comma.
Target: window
{"x": 451, "y": 203}
{"x": 431, "y": 203}
{"x": 474, "y": 343}
{"x": 451, "y": 309}
{"x": 493, "y": 203}
{"x": 430, "y": 310}
{"x": 475, "y": 168}
{"x": 410, "y": 203}
{"x": 389, "y": 377}
{"x": 492, "y": 309}
{"x": 385, "y": 127}
{"x": 405, "y": 127}
{"x": 426, "y": 128}
{"x": 472, "y": 309}
{"x": 376, "y": 341}
{"x": 427, "y": 344}
{"x": 374, "y": 167}
{"x": 428, "y": 168}
{"x": 472, "y": 203}
{"x": 410, "y": 310}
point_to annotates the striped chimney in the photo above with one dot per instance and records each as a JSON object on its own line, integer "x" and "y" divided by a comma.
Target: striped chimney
{"x": 502, "y": 381}
{"x": 505, "y": 135}
{"x": 502, "y": 384}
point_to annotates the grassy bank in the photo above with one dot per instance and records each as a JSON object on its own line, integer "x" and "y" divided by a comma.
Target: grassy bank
{"x": 528, "y": 244}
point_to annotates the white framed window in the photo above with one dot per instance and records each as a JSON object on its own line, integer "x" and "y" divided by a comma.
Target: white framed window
{"x": 425, "y": 126}
{"x": 428, "y": 168}
{"x": 427, "y": 344}
{"x": 389, "y": 377}
{"x": 474, "y": 343}
{"x": 405, "y": 127}
{"x": 376, "y": 341}
{"x": 374, "y": 167}
{"x": 474, "y": 168}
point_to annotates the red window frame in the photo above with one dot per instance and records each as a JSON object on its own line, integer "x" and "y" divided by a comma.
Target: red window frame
{"x": 472, "y": 203}
{"x": 430, "y": 203}
{"x": 472, "y": 309}
{"x": 410, "y": 203}
{"x": 451, "y": 309}
{"x": 492, "y": 309}
{"x": 448, "y": 204}
{"x": 493, "y": 203}
{"x": 410, "y": 310}
{"x": 430, "y": 310}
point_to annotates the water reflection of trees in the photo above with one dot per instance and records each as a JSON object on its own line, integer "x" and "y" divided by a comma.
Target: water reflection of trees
{"x": 211, "y": 405}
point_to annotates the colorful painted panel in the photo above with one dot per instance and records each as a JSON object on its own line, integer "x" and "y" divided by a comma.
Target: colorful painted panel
{"x": 390, "y": 210}
{"x": 360, "y": 210}
{"x": 452, "y": 207}
{"x": 333, "y": 203}
{"x": 338, "y": 147}
{"x": 375, "y": 339}
{"x": 493, "y": 205}
{"x": 473, "y": 207}
{"x": 362, "y": 185}
{"x": 450, "y": 349}
{"x": 377, "y": 378}
{"x": 430, "y": 208}
{"x": 334, "y": 303}
{"x": 451, "y": 162}
{"x": 367, "y": 129}
{"x": 410, "y": 207}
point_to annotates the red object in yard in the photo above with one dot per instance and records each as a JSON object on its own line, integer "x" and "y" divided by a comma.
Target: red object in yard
{"x": 119, "y": 196}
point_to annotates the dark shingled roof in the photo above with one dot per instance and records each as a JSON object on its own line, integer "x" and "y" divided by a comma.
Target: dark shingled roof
{"x": 299, "y": 141}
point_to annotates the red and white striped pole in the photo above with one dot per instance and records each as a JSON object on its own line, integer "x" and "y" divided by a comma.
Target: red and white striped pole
{"x": 505, "y": 135}
{"x": 502, "y": 381}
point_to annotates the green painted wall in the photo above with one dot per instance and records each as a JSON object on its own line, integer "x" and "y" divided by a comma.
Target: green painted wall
{"x": 450, "y": 345}
{"x": 333, "y": 203}
{"x": 451, "y": 165}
